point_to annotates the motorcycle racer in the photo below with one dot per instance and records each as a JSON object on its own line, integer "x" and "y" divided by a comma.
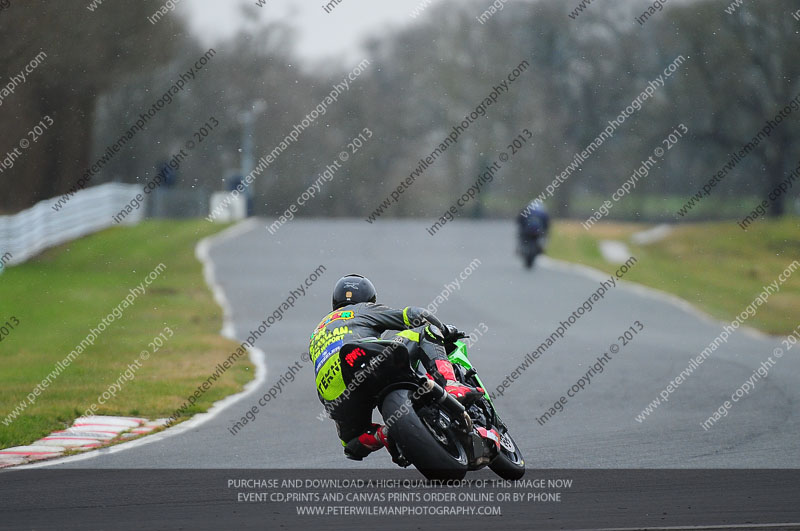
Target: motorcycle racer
{"x": 357, "y": 316}
{"x": 533, "y": 224}
{"x": 533, "y": 221}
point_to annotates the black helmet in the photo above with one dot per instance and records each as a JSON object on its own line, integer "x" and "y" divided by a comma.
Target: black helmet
{"x": 352, "y": 289}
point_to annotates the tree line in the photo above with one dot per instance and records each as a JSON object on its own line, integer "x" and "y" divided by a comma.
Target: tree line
{"x": 739, "y": 72}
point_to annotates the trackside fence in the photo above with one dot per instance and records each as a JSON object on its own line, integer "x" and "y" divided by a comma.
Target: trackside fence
{"x": 28, "y": 233}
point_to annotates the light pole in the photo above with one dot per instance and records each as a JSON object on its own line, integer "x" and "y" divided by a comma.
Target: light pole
{"x": 248, "y": 120}
{"x": 247, "y": 162}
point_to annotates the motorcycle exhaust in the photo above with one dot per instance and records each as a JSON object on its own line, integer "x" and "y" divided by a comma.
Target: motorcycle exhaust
{"x": 440, "y": 396}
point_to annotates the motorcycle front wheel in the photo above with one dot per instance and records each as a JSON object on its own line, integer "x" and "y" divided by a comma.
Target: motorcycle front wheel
{"x": 509, "y": 463}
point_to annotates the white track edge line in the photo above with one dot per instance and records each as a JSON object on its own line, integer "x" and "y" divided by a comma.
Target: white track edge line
{"x": 256, "y": 355}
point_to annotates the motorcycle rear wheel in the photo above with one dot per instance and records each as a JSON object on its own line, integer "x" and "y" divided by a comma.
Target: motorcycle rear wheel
{"x": 528, "y": 260}
{"x": 433, "y": 450}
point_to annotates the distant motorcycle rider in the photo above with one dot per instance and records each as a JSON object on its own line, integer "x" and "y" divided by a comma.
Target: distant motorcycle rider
{"x": 356, "y": 316}
{"x": 533, "y": 221}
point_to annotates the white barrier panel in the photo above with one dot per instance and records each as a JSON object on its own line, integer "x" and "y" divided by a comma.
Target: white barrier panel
{"x": 31, "y": 231}
{"x": 226, "y": 207}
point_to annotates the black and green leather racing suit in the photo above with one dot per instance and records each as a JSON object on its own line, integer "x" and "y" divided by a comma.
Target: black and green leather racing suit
{"x": 351, "y": 411}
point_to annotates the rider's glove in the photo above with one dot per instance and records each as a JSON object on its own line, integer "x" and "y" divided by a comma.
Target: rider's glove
{"x": 451, "y": 333}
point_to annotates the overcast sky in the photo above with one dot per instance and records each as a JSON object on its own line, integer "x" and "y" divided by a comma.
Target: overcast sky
{"x": 320, "y": 35}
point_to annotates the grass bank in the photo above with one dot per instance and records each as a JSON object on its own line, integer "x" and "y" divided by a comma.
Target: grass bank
{"x": 58, "y": 297}
{"x": 716, "y": 266}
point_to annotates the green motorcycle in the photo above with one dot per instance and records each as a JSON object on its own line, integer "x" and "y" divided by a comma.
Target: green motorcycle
{"x": 441, "y": 437}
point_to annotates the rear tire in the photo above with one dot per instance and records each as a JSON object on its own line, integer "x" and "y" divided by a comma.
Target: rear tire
{"x": 529, "y": 251}
{"x": 417, "y": 442}
{"x": 529, "y": 258}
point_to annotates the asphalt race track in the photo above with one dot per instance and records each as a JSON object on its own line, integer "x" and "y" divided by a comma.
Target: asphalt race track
{"x": 597, "y": 428}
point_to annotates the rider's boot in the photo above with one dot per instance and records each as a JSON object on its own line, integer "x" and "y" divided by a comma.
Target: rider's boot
{"x": 375, "y": 438}
{"x": 442, "y": 370}
{"x": 462, "y": 393}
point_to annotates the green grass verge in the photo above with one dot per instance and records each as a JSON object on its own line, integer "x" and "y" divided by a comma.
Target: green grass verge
{"x": 66, "y": 291}
{"x": 716, "y": 266}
